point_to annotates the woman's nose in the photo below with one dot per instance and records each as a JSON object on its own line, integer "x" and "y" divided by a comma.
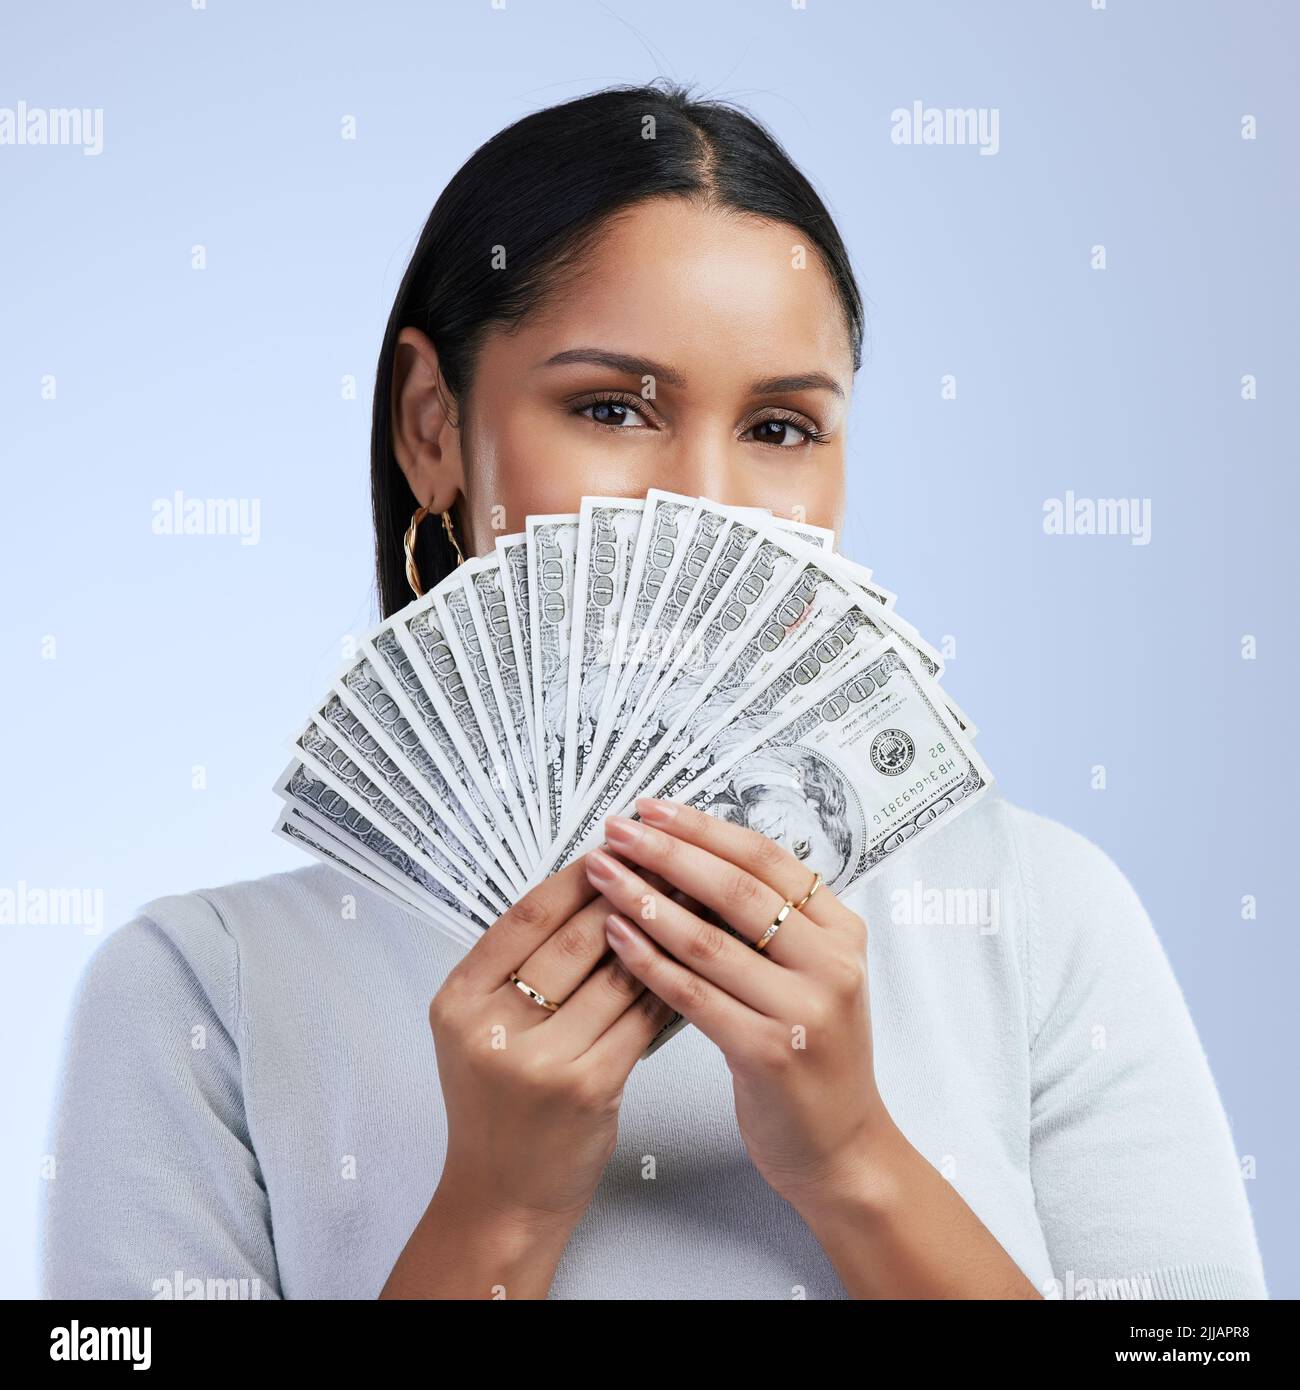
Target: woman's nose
{"x": 703, "y": 469}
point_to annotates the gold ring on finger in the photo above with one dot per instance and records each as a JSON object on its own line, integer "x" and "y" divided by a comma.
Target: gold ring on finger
{"x": 787, "y": 908}
{"x": 533, "y": 994}
{"x": 816, "y": 884}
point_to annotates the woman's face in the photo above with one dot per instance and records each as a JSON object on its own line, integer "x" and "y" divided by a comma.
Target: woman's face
{"x": 688, "y": 353}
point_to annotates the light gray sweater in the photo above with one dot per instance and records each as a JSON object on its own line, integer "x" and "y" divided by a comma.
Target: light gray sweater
{"x": 250, "y": 1106}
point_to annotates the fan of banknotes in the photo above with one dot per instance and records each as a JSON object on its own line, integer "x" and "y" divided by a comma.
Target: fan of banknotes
{"x": 662, "y": 646}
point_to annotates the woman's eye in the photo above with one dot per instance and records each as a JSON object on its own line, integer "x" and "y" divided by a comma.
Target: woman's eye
{"x": 801, "y": 849}
{"x": 616, "y": 414}
{"x": 783, "y": 433}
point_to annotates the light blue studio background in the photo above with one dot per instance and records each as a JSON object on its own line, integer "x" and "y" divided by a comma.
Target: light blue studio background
{"x": 222, "y": 128}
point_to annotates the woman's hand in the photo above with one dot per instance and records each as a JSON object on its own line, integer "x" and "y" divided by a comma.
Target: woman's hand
{"x": 531, "y": 1095}
{"x": 792, "y": 1020}
{"x": 794, "y": 1023}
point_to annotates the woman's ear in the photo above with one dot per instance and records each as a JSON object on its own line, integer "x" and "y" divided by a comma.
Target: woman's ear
{"x": 426, "y": 433}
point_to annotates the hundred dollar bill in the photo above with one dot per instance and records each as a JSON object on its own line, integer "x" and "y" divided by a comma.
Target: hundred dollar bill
{"x": 807, "y": 606}
{"x": 797, "y": 588}
{"x": 512, "y": 551}
{"x": 491, "y": 614}
{"x": 869, "y": 763}
{"x": 608, "y": 528}
{"x": 820, "y": 537}
{"x": 424, "y": 631}
{"x": 738, "y": 590}
{"x": 323, "y": 756}
{"x": 292, "y": 825}
{"x": 341, "y": 853}
{"x": 721, "y": 538}
{"x": 701, "y": 743}
{"x": 781, "y": 589}
{"x": 685, "y": 570}
{"x": 552, "y": 552}
{"x": 667, "y": 525}
{"x": 405, "y": 682}
{"x": 748, "y": 696}
{"x": 391, "y": 792}
{"x": 736, "y": 556}
{"x": 750, "y": 570}
{"x": 364, "y": 694}
{"x": 322, "y": 803}
{"x": 468, "y": 675}
{"x": 682, "y": 588}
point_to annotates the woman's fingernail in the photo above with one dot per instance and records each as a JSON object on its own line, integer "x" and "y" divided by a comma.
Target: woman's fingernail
{"x": 621, "y": 831}
{"x": 619, "y": 930}
{"x": 602, "y": 869}
{"x": 655, "y": 812}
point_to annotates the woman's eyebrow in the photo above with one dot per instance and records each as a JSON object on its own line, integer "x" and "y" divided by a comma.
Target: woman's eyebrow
{"x": 618, "y": 362}
{"x": 803, "y": 381}
{"x": 643, "y": 366}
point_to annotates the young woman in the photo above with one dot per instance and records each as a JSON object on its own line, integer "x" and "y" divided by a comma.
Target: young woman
{"x": 637, "y": 289}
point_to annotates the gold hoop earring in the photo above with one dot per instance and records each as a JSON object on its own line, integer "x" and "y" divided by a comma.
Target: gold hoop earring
{"x": 451, "y": 536}
{"x": 408, "y": 545}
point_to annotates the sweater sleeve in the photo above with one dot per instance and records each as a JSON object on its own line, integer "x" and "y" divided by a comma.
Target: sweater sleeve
{"x": 155, "y": 1189}
{"x": 1136, "y": 1177}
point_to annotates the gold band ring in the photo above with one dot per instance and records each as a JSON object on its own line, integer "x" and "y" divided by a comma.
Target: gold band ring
{"x": 787, "y": 908}
{"x": 816, "y": 884}
{"x": 532, "y": 993}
